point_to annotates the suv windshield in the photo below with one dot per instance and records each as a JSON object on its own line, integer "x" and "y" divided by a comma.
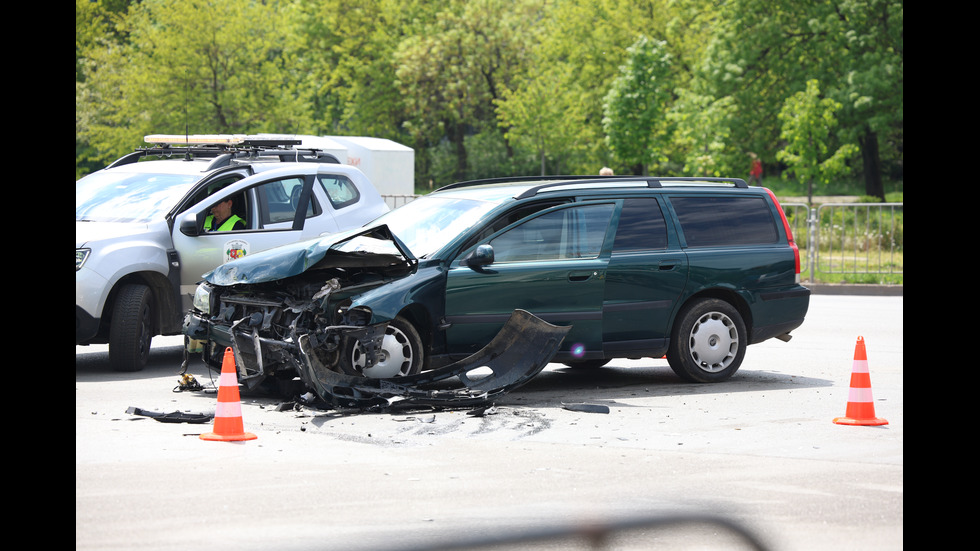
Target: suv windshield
{"x": 427, "y": 224}
{"x": 129, "y": 197}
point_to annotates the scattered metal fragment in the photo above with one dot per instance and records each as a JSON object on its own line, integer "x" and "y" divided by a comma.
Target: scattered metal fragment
{"x": 187, "y": 382}
{"x": 522, "y": 348}
{"x": 587, "y": 408}
{"x": 172, "y": 417}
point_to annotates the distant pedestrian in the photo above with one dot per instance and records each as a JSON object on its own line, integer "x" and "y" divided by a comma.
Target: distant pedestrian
{"x": 755, "y": 173}
{"x": 605, "y": 171}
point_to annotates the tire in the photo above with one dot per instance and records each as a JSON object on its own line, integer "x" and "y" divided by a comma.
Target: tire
{"x": 132, "y": 328}
{"x": 401, "y": 353}
{"x": 708, "y": 342}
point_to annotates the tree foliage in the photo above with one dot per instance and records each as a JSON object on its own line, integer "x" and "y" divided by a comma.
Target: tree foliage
{"x": 807, "y": 125}
{"x": 635, "y": 108}
{"x": 488, "y": 87}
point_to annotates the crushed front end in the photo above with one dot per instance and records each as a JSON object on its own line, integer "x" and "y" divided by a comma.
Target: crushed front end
{"x": 260, "y": 306}
{"x": 263, "y": 323}
{"x": 295, "y": 322}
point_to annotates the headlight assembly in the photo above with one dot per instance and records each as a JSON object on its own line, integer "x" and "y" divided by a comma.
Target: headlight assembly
{"x": 80, "y": 256}
{"x": 202, "y": 298}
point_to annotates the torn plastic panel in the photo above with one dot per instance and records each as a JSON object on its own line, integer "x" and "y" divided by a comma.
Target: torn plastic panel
{"x": 522, "y": 348}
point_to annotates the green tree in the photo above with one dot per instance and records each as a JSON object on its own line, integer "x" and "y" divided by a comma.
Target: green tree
{"x": 539, "y": 120}
{"x": 452, "y": 70}
{"x": 702, "y": 135}
{"x": 807, "y": 125}
{"x": 347, "y": 52}
{"x": 636, "y": 106}
{"x": 761, "y": 52}
{"x": 189, "y": 66}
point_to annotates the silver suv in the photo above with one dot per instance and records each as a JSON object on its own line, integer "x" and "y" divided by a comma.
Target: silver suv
{"x": 141, "y": 237}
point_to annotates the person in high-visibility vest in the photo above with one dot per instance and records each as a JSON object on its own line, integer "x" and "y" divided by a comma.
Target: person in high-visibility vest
{"x": 221, "y": 218}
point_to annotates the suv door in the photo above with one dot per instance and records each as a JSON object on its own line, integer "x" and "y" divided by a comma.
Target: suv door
{"x": 646, "y": 275}
{"x": 551, "y": 264}
{"x": 277, "y": 211}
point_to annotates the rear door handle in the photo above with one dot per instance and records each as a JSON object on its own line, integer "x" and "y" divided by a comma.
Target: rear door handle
{"x": 582, "y": 276}
{"x": 669, "y": 264}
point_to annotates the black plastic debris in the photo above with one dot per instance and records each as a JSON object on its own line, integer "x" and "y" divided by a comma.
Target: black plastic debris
{"x": 522, "y": 348}
{"x": 172, "y": 417}
{"x": 587, "y": 408}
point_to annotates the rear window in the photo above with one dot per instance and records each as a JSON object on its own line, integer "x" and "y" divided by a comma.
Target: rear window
{"x": 714, "y": 221}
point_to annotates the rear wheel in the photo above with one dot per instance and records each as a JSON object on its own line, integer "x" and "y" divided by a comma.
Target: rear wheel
{"x": 401, "y": 353}
{"x": 132, "y": 328}
{"x": 708, "y": 342}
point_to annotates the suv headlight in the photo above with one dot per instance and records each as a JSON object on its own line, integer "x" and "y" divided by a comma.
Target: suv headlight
{"x": 202, "y": 298}
{"x": 80, "y": 256}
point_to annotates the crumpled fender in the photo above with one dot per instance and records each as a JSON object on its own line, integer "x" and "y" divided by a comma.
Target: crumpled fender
{"x": 522, "y": 348}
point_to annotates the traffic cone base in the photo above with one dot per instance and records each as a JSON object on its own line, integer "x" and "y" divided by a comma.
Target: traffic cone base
{"x": 228, "y": 425}
{"x": 860, "y": 403}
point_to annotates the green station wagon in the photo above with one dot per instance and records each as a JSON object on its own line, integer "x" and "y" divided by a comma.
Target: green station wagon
{"x": 694, "y": 269}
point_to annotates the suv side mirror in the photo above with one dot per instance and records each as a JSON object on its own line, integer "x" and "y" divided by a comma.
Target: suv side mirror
{"x": 189, "y": 226}
{"x": 482, "y": 256}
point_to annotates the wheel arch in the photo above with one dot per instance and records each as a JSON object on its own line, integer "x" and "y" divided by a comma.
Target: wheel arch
{"x": 166, "y": 307}
{"x": 730, "y": 296}
{"x": 421, "y": 319}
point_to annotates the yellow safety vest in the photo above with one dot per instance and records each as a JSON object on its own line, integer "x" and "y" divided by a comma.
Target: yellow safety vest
{"x": 226, "y": 226}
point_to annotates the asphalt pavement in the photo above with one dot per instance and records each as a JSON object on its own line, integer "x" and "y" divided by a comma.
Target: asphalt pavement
{"x": 754, "y": 462}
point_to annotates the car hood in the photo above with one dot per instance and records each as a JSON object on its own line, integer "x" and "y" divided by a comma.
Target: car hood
{"x": 90, "y": 232}
{"x": 372, "y": 247}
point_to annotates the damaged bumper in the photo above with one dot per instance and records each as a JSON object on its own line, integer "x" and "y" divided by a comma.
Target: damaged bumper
{"x": 522, "y": 348}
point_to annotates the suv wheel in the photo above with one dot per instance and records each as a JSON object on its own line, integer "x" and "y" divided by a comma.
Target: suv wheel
{"x": 401, "y": 353}
{"x": 708, "y": 342}
{"x": 131, "y": 329}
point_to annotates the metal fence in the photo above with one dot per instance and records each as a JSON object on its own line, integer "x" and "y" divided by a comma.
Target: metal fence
{"x": 834, "y": 238}
{"x": 395, "y": 201}
{"x": 848, "y": 238}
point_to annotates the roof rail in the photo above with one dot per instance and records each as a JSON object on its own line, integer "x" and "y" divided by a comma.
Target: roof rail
{"x": 509, "y": 179}
{"x": 600, "y": 181}
{"x": 226, "y": 148}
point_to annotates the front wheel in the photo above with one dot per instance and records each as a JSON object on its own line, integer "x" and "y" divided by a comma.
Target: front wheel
{"x": 401, "y": 353}
{"x": 708, "y": 342}
{"x": 131, "y": 328}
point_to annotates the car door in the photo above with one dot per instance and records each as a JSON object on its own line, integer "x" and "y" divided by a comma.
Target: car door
{"x": 551, "y": 264}
{"x": 278, "y": 208}
{"x": 646, "y": 275}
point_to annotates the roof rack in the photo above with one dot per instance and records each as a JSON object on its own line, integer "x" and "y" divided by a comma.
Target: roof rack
{"x": 601, "y": 181}
{"x": 223, "y": 148}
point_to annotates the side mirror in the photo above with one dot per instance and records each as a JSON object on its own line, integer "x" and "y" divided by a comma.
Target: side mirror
{"x": 482, "y": 256}
{"x": 189, "y": 226}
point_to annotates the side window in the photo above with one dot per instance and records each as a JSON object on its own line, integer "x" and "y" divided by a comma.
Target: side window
{"x": 576, "y": 232}
{"x": 280, "y": 200}
{"x": 211, "y": 188}
{"x": 508, "y": 219}
{"x": 714, "y": 221}
{"x": 641, "y": 226}
{"x": 340, "y": 190}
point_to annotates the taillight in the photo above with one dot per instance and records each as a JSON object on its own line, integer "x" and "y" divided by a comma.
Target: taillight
{"x": 789, "y": 232}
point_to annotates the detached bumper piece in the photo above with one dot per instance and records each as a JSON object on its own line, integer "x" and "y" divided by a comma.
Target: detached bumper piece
{"x": 522, "y": 348}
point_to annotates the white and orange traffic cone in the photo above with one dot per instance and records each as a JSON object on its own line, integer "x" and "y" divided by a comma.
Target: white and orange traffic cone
{"x": 860, "y": 404}
{"x": 228, "y": 425}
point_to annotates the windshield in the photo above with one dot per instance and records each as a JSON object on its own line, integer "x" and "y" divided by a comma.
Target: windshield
{"x": 129, "y": 197}
{"x": 429, "y": 223}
